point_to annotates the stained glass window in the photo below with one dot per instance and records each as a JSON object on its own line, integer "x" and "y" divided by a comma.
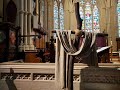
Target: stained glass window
{"x": 82, "y": 2}
{"x": 61, "y": 17}
{"x": 93, "y": 1}
{"x": 55, "y": 15}
{"x": 118, "y": 12}
{"x": 96, "y": 19}
{"x": 82, "y": 16}
{"x": 90, "y": 15}
{"x": 58, "y": 15}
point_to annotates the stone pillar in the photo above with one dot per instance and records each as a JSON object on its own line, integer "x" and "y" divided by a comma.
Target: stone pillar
{"x": 60, "y": 79}
{"x": 25, "y": 26}
{"x": 21, "y": 18}
{"x": 50, "y": 18}
{"x": 113, "y": 24}
{"x": 46, "y": 19}
{"x": 31, "y": 46}
{"x": 69, "y": 15}
{"x": 66, "y": 15}
{"x": 35, "y": 17}
{"x": 102, "y": 10}
{"x": 37, "y": 7}
{"x": 17, "y": 17}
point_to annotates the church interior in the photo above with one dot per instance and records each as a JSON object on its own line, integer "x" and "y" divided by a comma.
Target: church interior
{"x": 59, "y": 44}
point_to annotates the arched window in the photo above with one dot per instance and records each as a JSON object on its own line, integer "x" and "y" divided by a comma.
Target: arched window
{"x": 118, "y": 13}
{"x": 58, "y": 15}
{"x": 90, "y": 15}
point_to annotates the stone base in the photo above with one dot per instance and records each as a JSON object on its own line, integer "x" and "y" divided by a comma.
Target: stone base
{"x": 99, "y": 86}
{"x": 26, "y": 47}
{"x": 41, "y": 76}
{"x": 32, "y": 47}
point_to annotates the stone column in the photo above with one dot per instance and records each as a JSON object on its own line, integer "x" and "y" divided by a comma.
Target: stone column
{"x": 17, "y": 17}
{"x": 66, "y": 15}
{"x": 31, "y": 46}
{"x": 46, "y": 18}
{"x": 35, "y": 17}
{"x": 21, "y": 18}
{"x": 25, "y": 26}
{"x": 113, "y": 24}
{"x": 73, "y": 19}
{"x": 50, "y": 18}
{"x": 102, "y": 9}
{"x": 37, "y": 12}
{"x": 59, "y": 66}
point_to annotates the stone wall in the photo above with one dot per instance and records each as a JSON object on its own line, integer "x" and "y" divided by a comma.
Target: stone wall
{"x": 41, "y": 76}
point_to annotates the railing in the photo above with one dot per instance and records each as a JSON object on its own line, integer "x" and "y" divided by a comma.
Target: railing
{"x": 41, "y": 76}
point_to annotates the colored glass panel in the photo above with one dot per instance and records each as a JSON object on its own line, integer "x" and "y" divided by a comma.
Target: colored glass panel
{"x": 82, "y": 2}
{"x": 55, "y": 15}
{"x": 90, "y": 15}
{"x": 61, "y": 17}
{"x": 58, "y": 16}
{"x": 82, "y": 16}
{"x": 93, "y": 1}
{"x": 118, "y": 12}
{"x": 96, "y": 19}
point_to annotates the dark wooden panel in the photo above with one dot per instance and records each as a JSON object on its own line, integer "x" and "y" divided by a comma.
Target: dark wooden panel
{"x": 31, "y": 57}
{"x": 102, "y": 40}
{"x": 118, "y": 43}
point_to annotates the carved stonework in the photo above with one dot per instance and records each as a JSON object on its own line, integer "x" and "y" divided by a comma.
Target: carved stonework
{"x": 76, "y": 78}
{"x": 103, "y": 75}
{"x": 86, "y": 76}
{"x": 94, "y": 78}
{"x": 43, "y": 76}
{"x": 27, "y": 76}
{"x": 15, "y": 76}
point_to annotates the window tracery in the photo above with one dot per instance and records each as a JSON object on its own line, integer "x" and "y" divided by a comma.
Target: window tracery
{"x": 58, "y": 15}
{"x": 90, "y": 15}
